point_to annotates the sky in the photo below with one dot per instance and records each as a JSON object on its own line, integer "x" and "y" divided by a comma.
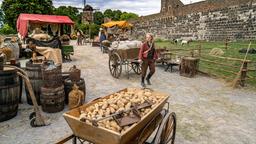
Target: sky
{"x": 140, "y": 7}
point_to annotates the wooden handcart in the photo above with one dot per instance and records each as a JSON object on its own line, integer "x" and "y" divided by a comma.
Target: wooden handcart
{"x": 159, "y": 122}
{"x": 124, "y": 57}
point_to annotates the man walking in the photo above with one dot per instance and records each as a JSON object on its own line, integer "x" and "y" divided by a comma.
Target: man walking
{"x": 147, "y": 56}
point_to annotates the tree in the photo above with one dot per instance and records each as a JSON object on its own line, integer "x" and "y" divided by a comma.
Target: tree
{"x": 109, "y": 14}
{"x": 98, "y": 18}
{"x": 1, "y": 17}
{"x": 6, "y": 29}
{"x": 128, "y": 16}
{"x": 117, "y": 15}
{"x": 12, "y": 9}
{"x": 69, "y": 11}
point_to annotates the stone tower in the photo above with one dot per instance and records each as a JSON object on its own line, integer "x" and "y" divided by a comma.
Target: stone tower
{"x": 87, "y": 14}
{"x": 169, "y": 6}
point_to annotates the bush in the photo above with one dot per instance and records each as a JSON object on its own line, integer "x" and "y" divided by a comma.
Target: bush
{"x": 6, "y": 29}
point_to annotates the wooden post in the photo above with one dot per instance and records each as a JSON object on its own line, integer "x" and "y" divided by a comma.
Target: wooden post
{"x": 200, "y": 49}
{"x": 226, "y": 44}
{"x": 189, "y": 66}
{"x": 243, "y": 74}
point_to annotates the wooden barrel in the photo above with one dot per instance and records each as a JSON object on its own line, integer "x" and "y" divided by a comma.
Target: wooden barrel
{"x": 1, "y": 62}
{"x": 189, "y": 66}
{"x": 17, "y": 64}
{"x": 52, "y": 99}
{"x": 68, "y": 84}
{"x": 35, "y": 76}
{"x": 9, "y": 94}
{"x": 51, "y": 75}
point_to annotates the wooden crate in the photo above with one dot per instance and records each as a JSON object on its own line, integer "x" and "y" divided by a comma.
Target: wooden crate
{"x": 101, "y": 135}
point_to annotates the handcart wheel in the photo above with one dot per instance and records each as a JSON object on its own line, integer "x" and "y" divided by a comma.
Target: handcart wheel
{"x": 115, "y": 65}
{"x": 136, "y": 68}
{"x": 141, "y": 139}
{"x": 32, "y": 115}
{"x": 167, "y": 130}
{"x": 32, "y": 122}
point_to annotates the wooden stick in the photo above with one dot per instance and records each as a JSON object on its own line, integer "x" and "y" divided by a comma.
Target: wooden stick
{"x": 235, "y": 81}
{"x": 229, "y": 58}
{"x": 214, "y": 62}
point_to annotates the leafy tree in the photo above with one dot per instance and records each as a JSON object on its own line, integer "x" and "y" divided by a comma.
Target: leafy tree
{"x": 12, "y": 9}
{"x": 89, "y": 29}
{"x": 98, "y": 18}
{"x": 69, "y": 11}
{"x": 128, "y": 16}
{"x": 109, "y": 13}
{"x": 117, "y": 14}
{"x": 6, "y": 29}
{"x": 1, "y": 17}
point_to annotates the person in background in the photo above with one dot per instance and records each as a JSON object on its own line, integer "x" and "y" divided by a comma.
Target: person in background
{"x": 102, "y": 38}
{"x": 147, "y": 56}
{"x": 79, "y": 37}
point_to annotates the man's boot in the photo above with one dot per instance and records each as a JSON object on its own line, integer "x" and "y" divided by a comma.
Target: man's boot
{"x": 142, "y": 82}
{"x": 148, "y": 79}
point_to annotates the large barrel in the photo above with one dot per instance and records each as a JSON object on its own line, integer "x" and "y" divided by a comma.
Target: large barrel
{"x": 68, "y": 84}
{"x": 35, "y": 76}
{"x": 51, "y": 75}
{"x": 52, "y": 99}
{"x": 17, "y": 64}
{"x": 9, "y": 94}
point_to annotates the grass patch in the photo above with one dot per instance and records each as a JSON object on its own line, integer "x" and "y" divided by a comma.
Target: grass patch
{"x": 232, "y": 50}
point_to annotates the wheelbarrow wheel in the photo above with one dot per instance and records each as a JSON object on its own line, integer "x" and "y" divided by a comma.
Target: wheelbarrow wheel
{"x": 32, "y": 122}
{"x": 167, "y": 130}
{"x": 115, "y": 65}
{"x": 136, "y": 68}
{"x": 32, "y": 115}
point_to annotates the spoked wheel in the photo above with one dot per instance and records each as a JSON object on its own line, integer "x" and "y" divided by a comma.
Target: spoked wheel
{"x": 167, "y": 130}
{"x": 136, "y": 67}
{"x": 32, "y": 115}
{"x": 115, "y": 65}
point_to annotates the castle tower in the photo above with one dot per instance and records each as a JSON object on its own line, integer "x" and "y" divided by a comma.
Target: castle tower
{"x": 169, "y": 6}
{"x": 163, "y": 6}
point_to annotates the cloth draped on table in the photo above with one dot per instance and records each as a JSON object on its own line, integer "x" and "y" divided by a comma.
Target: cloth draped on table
{"x": 50, "y": 54}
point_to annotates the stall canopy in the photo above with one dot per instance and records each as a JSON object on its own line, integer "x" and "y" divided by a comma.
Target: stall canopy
{"x": 122, "y": 24}
{"x": 24, "y": 19}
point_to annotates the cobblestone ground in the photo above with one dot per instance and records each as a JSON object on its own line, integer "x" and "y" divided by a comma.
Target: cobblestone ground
{"x": 208, "y": 112}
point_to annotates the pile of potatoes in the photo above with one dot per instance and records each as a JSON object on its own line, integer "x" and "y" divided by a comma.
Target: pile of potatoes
{"x": 119, "y": 102}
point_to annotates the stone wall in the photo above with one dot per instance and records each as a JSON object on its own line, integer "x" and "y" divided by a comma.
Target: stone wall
{"x": 233, "y": 22}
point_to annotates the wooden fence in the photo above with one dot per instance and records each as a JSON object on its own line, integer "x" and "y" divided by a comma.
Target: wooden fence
{"x": 218, "y": 65}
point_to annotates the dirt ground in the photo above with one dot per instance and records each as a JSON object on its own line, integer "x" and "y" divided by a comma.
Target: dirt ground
{"x": 208, "y": 111}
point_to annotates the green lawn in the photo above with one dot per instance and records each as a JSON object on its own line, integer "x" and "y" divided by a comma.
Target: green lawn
{"x": 221, "y": 71}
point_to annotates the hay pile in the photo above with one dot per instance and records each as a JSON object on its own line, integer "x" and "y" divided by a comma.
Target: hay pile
{"x": 216, "y": 52}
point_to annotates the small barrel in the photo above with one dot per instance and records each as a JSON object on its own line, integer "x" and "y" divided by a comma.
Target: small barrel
{"x": 35, "y": 76}
{"x": 52, "y": 75}
{"x": 68, "y": 84}
{"x": 52, "y": 99}
{"x": 9, "y": 94}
